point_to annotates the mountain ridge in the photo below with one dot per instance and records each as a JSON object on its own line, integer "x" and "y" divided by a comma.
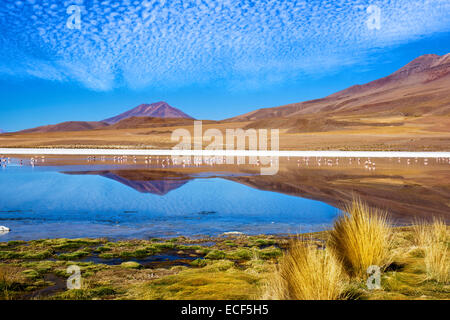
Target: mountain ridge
{"x": 410, "y": 100}
{"x": 159, "y": 109}
{"x": 67, "y": 126}
{"x": 419, "y": 72}
{"x": 166, "y": 114}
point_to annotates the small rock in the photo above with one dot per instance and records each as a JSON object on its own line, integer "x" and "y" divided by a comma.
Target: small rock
{"x": 232, "y": 233}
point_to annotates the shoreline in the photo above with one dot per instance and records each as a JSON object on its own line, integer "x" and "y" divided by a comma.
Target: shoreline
{"x": 223, "y": 153}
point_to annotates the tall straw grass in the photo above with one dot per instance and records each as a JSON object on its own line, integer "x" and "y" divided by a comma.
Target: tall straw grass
{"x": 437, "y": 262}
{"x": 8, "y": 277}
{"x": 307, "y": 273}
{"x": 426, "y": 233}
{"x": 433, "y": 238}
{"x": 361, "y": 237}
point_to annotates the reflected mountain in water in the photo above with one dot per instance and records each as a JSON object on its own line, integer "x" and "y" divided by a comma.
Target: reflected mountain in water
{"x": 406, "y": 194}
{"x": 143, "y": 181}
{"x": 404, "y": 200}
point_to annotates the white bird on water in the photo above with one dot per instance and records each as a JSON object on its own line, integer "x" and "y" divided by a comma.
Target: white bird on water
{"x": 4, "y": 229}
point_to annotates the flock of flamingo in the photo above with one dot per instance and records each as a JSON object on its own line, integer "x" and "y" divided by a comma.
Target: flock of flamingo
{"x": 186, "y": 161}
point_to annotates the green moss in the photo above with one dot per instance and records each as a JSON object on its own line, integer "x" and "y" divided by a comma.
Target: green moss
{"x": 102, "y": 249}
{"x": 197, "y": 284}
{"x": 132, "y": 254}
{"x": 198, "y": 263}
{"x": 103, "y": 291}
{"x": 30, "y": 274}
{"x": 185, "y": 247}
{"x": 74, "y": 244}
{"x": 13, "y": 243}
{"x": 240, "y": 254}
{"x": 38, "y": 255}
{"x": 263, "y": 242}
{"x": 41, "y": 266}
{"x": 269, "y": 253}
{"x": 131, "y": 265}
{"x": 164, "y": 245}
{"x": 203, "y": 251}
{"x": 219, "y": 265}
{"x": 215, "y": 255}
{"x": 230, "y": 243}
{"x": 9, "y": 255}
{"x": 87, "y": 294}
{"x": 73, "y": 255}
{"x": 106, "y": 255}
{"x": 139, "y": 253}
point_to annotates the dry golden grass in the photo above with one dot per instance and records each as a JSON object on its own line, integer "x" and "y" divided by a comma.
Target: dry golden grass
{"x": 8, "y": 276}
{"x": 433, "y": 239}
{"x": 307, "y": 273}
{"x": 437, "y": 262}
{"x": 425, "y": 233}
{"x": 361, "y": 237}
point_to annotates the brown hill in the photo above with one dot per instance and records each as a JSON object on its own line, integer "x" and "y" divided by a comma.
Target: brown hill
{"x": 419, "y": 88}
{"x": 68, "y": 126}
{"x": 158, "y": 114}
{"x": 149, "y": 122}
{"x": 154, "y": 110}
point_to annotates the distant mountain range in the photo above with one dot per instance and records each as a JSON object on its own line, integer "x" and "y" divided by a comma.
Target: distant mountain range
{"x": 418, "y": 92}
{"x": 419, "y": 88}
{"x": 147, "y": 115}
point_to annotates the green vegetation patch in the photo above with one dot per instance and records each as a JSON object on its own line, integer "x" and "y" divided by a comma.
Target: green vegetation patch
{"x": 131, "y": 265}
{"x": 74, "y": 255}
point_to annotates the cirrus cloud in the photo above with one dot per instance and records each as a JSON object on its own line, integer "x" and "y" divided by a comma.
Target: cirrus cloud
{"x": 140, "y": 44}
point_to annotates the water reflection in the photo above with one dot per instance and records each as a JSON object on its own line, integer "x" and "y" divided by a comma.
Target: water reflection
{"x": 68, "y": 197}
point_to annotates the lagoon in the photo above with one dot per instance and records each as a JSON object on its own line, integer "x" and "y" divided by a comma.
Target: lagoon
{"x": 67, "y": 197}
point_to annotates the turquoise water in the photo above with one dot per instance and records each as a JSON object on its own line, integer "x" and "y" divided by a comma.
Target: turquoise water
{"x": 42, "y": 202}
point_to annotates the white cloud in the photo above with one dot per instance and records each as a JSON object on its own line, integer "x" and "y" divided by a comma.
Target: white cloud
{"x": 175, "y": 43}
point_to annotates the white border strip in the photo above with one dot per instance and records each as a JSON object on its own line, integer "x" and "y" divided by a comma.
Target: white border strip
{"x": 247, "y": 153}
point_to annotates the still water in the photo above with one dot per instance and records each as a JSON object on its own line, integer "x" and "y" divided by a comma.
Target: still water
{"x": 71, "y": 199}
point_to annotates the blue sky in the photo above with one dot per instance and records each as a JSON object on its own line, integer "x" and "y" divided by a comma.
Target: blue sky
{"x": 211, "y": 58}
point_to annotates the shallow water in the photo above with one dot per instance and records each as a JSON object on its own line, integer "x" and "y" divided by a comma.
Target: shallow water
{"x": 71, "y": 198}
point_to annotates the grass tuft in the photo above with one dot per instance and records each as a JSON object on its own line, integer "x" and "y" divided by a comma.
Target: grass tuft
{"x": 307, "y": 273}
{"x": 433, "y": 239}
{"x": 361, "y": 237}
